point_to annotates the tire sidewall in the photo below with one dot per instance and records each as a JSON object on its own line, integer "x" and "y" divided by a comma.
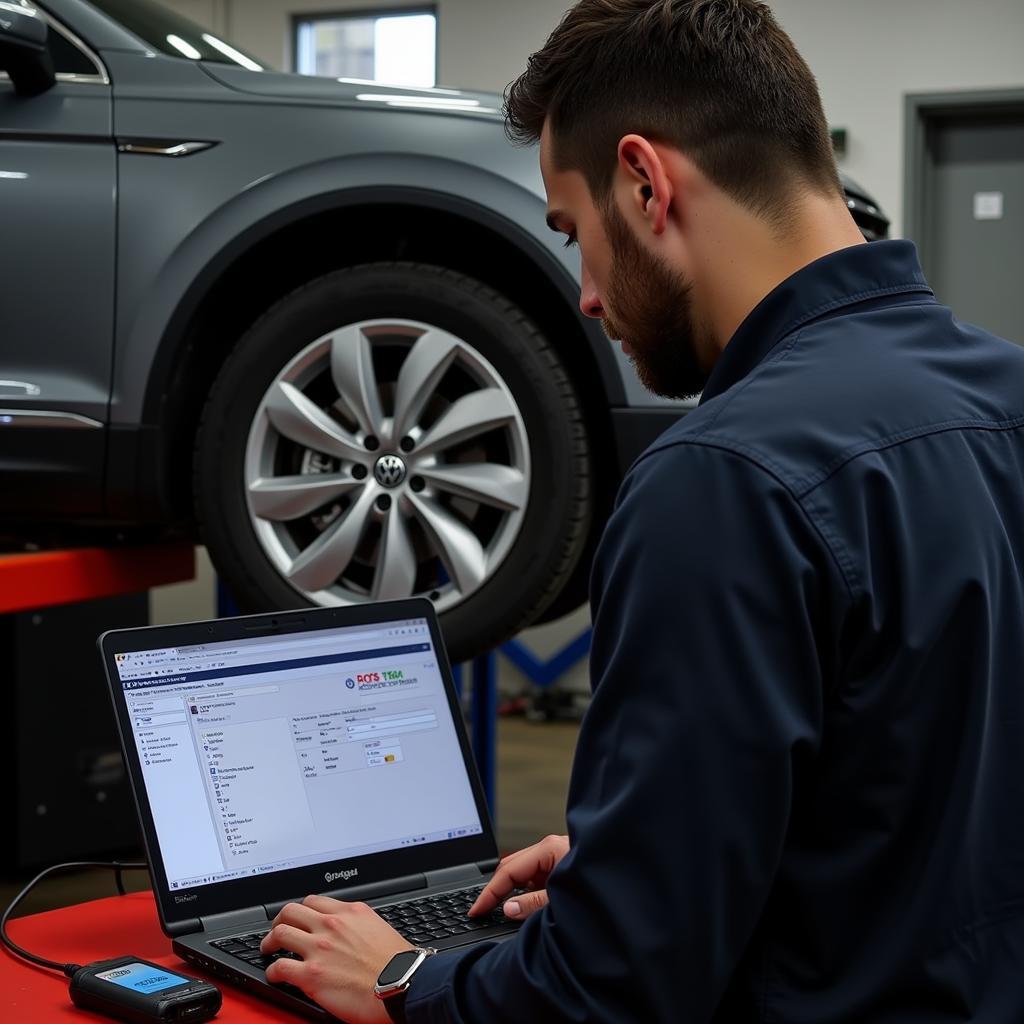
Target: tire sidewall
{"x": 483, "y": 320}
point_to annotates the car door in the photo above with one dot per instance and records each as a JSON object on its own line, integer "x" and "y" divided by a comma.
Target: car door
{"x": 57, "y": 257}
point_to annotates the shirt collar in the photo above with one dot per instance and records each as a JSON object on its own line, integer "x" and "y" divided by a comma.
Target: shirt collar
{"x": 842, "y": 278}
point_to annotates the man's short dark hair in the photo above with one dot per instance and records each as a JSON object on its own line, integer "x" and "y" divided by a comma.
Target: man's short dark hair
{"x": 717, "y": 79}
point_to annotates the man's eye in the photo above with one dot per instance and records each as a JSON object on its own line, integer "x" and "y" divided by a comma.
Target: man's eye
{"x": 571, "y": 240}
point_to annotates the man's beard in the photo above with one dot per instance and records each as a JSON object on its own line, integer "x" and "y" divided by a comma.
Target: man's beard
{"x": 653, "y": 314}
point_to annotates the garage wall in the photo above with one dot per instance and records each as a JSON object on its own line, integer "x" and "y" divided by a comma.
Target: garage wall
{"x": 866, "y": 55}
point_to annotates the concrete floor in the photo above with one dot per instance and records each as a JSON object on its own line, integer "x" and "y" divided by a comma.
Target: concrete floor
{"x": 533, "y": 773}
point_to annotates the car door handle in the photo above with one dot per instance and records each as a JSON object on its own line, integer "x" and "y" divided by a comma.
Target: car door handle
{"x": 18, "y": 389}
{"x": 162, "y": 147}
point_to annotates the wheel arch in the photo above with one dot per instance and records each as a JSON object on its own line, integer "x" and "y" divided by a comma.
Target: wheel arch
{"x": 363, "y": 225}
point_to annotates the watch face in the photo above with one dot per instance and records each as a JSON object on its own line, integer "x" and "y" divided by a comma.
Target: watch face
{"x": 397, "y": 967}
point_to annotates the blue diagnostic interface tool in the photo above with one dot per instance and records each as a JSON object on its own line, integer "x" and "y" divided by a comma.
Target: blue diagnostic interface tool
{"x": 138, "y": 991}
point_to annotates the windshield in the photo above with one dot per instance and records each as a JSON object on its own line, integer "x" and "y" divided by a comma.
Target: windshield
{"x": 170, "y": 33}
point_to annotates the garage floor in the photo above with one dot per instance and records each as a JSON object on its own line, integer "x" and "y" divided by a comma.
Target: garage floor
{"x": 533, "y": 773}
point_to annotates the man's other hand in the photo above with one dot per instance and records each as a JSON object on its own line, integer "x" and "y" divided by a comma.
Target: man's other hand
{"x": 344, "y": 947}
{"x": 527, "y": 869}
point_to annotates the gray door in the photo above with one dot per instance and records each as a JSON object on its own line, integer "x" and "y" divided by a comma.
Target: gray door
{"x": 975, "y": 220}
{"x": 57, "y": 220}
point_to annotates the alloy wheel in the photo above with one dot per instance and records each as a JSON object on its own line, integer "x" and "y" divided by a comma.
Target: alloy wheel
{"x": 388, "y": 458}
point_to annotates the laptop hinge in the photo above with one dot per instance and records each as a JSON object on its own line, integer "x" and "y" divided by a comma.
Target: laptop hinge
{"x": 488, "y": 867}
{"x": 232, "y": 919}
{"x": 450, "y": 876}
{"x": 360, "y": 893}
{"x": 186, "y": 927}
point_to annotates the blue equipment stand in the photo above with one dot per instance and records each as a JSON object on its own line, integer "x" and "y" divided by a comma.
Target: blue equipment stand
{"x": 483, "y": 719}
{"x": 484, "y": 696}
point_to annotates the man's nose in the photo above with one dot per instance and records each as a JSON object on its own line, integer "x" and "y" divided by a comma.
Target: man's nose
{"x": 590, "y": 301}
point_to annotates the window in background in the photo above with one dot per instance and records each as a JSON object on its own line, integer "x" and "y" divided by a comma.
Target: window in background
{"x": 397, "y": 49}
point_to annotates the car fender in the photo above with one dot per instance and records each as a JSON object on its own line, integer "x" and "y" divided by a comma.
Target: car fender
{"x": 270, "y": 203}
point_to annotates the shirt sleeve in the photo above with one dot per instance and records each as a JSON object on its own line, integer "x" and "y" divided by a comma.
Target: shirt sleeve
{"x": 710, "y": 594}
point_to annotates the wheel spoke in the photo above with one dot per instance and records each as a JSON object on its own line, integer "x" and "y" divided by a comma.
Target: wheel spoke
{"x": 329, "y": 555}
{"x": 421, "y": 372}
{"x": 281, "y": 498}
{"x": 396, "y": 563}
{"x": 352, "y": 371}
{"x": 473, "y": 414}
{"x": 298, "y": 419}
{"x": 461, "y": 552}
{"x": 488, "y": 483}
{"x": 317, "y": 529}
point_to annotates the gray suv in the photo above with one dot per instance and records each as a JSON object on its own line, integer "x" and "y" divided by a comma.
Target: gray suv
{"x": 319, "y": 324}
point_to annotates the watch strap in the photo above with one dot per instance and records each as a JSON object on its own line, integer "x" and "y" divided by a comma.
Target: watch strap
{"x": 395, "y": 1005}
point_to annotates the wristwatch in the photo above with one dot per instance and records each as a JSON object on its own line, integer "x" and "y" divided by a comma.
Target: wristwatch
{"x": 394, "y": 980}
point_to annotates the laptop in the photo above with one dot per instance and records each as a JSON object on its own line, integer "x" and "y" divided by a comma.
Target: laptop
{"x": 318, "y": 751}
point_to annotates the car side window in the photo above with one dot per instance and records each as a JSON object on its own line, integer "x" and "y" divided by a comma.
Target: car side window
{"x": 68, "y": 59}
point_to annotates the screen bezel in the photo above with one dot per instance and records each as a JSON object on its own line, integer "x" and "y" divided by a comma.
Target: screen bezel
{"x": 293, "y": 883}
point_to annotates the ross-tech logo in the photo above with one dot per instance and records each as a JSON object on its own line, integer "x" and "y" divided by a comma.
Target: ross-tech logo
{"x": 345, "y": 875}
{"x": 182, "y": 898}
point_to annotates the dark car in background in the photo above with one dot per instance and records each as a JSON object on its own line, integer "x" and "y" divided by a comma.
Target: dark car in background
{"x": 318, "y": 324}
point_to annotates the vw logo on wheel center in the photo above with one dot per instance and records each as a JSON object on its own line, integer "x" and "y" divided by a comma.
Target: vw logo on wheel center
{"x": 389, "y": 471}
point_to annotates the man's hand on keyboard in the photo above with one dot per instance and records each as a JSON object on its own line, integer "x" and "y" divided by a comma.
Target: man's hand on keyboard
{"x": 344, "y": 947}
{"x": 527, "y": 869}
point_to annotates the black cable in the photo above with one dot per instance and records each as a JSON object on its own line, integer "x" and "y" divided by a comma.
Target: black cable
{"x": 39, "y": 961}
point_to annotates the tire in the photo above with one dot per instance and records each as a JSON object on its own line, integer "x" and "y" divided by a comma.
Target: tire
{"x": 575, "y": 592}
{"x": 483, "y": 500}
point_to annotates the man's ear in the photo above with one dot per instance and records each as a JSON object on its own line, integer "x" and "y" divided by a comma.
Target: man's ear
{"x": 650, "y": 191}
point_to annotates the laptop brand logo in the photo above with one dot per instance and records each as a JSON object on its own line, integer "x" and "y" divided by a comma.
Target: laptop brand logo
{"x": 182, "y": 898}
{"x": 345, "y": 875}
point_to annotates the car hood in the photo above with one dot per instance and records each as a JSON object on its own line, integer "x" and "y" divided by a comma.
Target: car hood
{"x": 276, "y": 85}
{"x": 349, "y": 92}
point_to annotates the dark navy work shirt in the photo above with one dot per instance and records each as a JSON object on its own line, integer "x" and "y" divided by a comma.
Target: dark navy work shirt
{"x": 798, "y": 794}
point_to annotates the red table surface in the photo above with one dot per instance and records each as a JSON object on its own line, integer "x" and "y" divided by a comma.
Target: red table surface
{"x": 100, "y": 930}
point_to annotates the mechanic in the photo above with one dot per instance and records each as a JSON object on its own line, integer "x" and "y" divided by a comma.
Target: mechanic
{"x": 798, "y": 794}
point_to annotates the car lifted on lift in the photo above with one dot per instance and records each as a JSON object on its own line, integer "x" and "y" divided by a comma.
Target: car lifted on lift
{"x": 319, "y": 325}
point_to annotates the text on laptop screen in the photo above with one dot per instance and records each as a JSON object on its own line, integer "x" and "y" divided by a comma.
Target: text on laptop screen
{"x": 275, "y": 752}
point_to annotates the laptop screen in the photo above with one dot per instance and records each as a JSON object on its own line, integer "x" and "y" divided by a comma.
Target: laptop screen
{"x": 270, "y": 753}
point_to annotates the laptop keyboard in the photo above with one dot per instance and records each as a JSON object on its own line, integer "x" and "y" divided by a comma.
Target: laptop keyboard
{"x": 421, "y": 921}
{"x": 247, "y": 948}
{"x": 437, "y": 917}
